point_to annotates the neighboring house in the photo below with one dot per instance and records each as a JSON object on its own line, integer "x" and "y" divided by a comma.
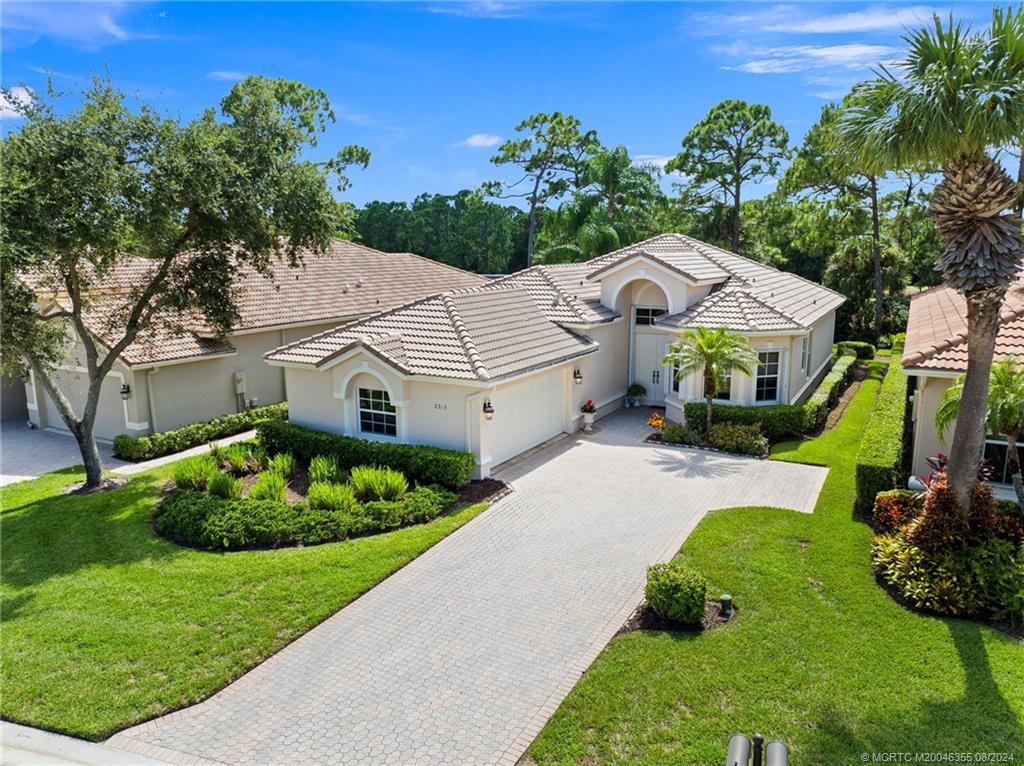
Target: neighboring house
{"x": 936, "y": 353}
{"x": 503, "y": 367}
{"x": 162, "y": 381}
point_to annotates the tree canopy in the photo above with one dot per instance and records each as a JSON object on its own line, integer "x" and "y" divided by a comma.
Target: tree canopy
{"x": 139, "y": 222}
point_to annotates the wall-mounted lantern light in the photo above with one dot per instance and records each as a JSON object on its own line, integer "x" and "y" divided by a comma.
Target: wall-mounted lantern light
{"x": 488, "y": 409}
{"x": 577, "y": 375}
{"x": 126, "y": 391}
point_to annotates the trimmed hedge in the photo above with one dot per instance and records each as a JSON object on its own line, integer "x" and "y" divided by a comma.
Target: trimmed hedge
{"x": 880, "y": 457}
{"x": 857, "y": 348}
{"x": 168, "y": 442}
{"x": 215, "y": 523}
{"x": 782, "y": 420}
{"x": 420, "y": 463}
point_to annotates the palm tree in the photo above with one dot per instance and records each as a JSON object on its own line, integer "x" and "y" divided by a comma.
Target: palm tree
{"x": 1005, "y": 413}
{"x": 956, "y": 95}
{"x": 713, "y": 353}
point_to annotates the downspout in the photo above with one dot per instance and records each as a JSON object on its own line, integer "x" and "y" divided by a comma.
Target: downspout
{"x": 473, "y": 405}
{"x": 152, "y": 400}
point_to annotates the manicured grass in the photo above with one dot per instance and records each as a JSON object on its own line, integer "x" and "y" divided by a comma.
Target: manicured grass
{"x": 106, "y": 625}
{"x": 818, "y": 656}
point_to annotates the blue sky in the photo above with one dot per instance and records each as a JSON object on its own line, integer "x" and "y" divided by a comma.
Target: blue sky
{"x": 430, "y": 88}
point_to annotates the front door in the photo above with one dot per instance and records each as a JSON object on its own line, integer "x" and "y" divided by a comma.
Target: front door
{"x": 648, "y": 371}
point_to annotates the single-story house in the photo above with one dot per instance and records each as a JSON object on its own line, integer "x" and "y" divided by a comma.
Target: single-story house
{"x": 499, "y": 368}
{"x": 936, "y": 353}
{"x": 165, "y": 380}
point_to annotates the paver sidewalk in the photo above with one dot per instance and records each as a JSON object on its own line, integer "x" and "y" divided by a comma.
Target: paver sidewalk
{"x": 460, "y": 657}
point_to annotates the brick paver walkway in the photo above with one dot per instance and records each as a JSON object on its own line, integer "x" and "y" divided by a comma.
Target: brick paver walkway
{"x": 461, "y": 656}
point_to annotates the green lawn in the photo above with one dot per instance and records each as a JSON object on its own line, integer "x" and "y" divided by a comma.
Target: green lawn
{"x": 818, "y": 656}
{"x": 106, "y": 625}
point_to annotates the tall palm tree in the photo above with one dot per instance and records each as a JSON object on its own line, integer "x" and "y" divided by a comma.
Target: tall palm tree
{"x": 1005, "y": 413}
{"x": 956, "y": 95}
{"x": 714, "y": 354}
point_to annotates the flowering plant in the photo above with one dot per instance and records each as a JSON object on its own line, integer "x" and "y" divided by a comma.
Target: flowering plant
{"x": 656, "y": 420}
{"x": 589, "y": 407}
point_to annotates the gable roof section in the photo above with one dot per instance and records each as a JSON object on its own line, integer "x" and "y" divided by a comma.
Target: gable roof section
{"x": 735, "y": 308}
{"x": 347, "y": 280}
{"x": 937, "y": 329}
{"x": 670, "y": 251}
{"x": 478, "y": 335}
{"x": 562, "y": 292}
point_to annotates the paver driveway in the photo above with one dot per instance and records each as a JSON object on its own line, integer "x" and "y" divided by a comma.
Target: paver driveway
{"x": 27, "y": 453}
{"x": 461, "y": 656}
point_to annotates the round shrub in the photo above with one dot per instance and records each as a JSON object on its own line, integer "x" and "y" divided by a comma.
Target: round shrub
{"x": 677, "y": 592}
{"x": 739, "y": 438}
{"x": 678, "y": 433}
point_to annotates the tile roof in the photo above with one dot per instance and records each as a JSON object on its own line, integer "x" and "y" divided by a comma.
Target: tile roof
{"x": 347, "y": 280}
{"x": 937, "y": 329}
{"x": 477, "y": 334}
{"x": 793, "y": 298}
{"x": 673, "y": 251}
{"x": 734, "y": 307}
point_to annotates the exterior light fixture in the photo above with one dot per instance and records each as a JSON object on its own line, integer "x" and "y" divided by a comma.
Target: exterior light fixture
{"x": 488, "y": 409}
{"x": 126, "y": 391}
{"x": 577, "y": 375}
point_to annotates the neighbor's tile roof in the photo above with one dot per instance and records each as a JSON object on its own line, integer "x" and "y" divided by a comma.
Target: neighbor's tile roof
{"x": 477, "y": 334}
{"x": 348, "y": 280}
{"x": 937, "y": 329}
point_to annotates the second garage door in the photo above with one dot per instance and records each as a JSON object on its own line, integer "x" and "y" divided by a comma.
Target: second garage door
{"x": 527, "y": 413}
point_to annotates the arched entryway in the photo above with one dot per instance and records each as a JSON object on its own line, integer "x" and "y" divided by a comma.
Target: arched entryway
{"x": 644, "y": 302}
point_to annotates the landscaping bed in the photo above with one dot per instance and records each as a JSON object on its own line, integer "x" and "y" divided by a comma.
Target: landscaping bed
{"x": 241, "y": 497}
{"x": 645, "y": 618}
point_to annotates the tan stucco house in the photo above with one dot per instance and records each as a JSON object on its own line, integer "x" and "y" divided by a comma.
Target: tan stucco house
{"x": 502, "y": 367}
{"x": 936, "y": 354}
{"x": 169, "y": 380}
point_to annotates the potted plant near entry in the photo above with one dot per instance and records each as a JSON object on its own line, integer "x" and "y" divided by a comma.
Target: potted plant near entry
{"x": 635, "y": 393}
{"x": 588, "y": 410}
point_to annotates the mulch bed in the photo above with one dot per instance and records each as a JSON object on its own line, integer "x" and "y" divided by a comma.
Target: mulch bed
{"x": 645, "y": 618}
{"x": 482, "y": 490}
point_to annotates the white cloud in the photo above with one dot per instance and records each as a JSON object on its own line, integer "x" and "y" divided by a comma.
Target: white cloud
{"x": 225, "y": 74}
{"x": 658, "y": 160}
{"x": 84, "y": 24}
{"x": 794, "y": 19}
{"x": 873, "y": 19}
{"x": 802, "y": 58}
{"x": 479, "y": 141}
{"x": 9, "y": 102}
{"x": 485, "y": 9}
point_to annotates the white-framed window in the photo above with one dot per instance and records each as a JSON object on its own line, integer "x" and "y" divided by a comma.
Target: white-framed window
{"x": 724, "y": 393}
{"x": 377, "y": 413}
{"x": 767, "y": 382}
{"x": 997, "y": 454}
{"x": 646, "y": 316}
{"x": 805, "y": 353}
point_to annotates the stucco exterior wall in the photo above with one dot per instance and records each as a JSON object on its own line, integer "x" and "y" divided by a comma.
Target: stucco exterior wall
{"x": 926, "y": 442}
{"x": 605, "y": 374}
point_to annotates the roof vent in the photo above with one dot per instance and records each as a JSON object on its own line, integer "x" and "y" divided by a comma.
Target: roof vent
{"x": 556, "y": 298}
{"x": 344, "y": 288}
{"x": 359, "y": 282}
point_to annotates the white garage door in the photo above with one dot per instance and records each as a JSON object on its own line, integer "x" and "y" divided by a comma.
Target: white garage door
{"x": 527, "y": 413}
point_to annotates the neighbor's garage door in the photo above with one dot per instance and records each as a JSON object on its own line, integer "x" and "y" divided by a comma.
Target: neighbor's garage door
{"x": 527, "y": 413}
